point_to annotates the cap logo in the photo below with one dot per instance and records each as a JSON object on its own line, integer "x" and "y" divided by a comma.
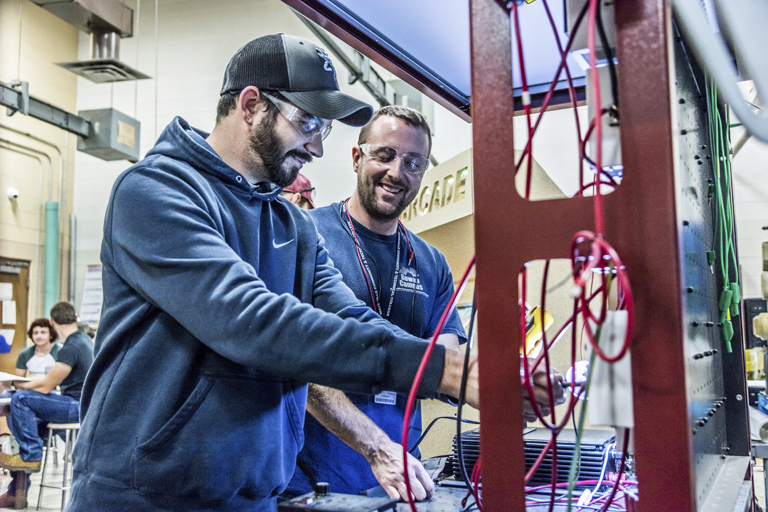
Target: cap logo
{"x": 327, "y": 64}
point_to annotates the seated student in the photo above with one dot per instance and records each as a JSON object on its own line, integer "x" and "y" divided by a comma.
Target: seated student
{"x": 33, "y": 406}
{"x": 36, "y": 361}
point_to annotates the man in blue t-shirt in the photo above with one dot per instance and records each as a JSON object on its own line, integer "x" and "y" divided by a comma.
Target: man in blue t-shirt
{"x": 401, "y": 277}
{"x": 34, "y": 405}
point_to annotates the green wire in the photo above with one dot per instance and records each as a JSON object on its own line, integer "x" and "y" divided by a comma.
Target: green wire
{"x": 582, "y": 416}
{"x": 724, "y": 220}
{"x": 583, "y": 411}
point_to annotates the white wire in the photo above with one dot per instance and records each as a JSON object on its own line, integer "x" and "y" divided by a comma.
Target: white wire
{"x": 713, "y": 54}
{"x": 605, "y": 465}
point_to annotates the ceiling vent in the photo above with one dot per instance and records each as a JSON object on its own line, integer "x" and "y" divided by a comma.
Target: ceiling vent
{"x": 103, "y": 70}
{"x": 107, "y": 21}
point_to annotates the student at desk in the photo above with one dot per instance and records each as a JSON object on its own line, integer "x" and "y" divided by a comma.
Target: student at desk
{"x": 33, "y": 406}
{"x": 36, "y": 361}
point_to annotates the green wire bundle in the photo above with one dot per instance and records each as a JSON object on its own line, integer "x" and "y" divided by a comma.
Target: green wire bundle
{"x": 730, "y": 297}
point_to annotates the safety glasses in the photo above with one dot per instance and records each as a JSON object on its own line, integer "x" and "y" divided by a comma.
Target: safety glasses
{"x": 413, "y": 163}
{"x": 305, "y": 124}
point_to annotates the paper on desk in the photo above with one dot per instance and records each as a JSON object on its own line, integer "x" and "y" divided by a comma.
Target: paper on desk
{"x": 7, "y": 377}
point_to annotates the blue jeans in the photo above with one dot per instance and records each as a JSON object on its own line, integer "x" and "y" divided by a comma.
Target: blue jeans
{"x": 30, "y": 414}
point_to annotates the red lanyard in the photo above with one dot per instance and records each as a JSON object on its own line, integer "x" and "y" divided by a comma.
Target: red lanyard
{"x": 368, "y": 275}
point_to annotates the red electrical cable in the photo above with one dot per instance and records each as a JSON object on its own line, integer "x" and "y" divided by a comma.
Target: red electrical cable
{"x": 591, "y": 28}
{"x": 553, "y": 84}
{"x": 420, "y": 374}
{"x": 571, "y": 89}
{"x": 526, "y": 381}
{"x": 538, "y": 461}
{"x": 476, "y": 472}
{"x": 526, "y": 99}
{"x": 601, "y": 250}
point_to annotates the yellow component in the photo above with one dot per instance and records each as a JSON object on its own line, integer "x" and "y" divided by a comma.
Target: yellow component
{"x": 535, "y": 332}
{"x": 529, "y": 1}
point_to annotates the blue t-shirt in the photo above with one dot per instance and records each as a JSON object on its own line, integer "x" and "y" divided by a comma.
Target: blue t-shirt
{"x": 422, "y": 289}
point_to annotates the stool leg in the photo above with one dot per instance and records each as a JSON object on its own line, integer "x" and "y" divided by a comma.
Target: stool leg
{"x": 45, "y": 463}
{"x": 70, "y": 437}
{"x": 55, "y": 450}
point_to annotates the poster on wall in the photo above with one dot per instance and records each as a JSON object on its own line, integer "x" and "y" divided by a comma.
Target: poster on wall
{"x": 90, "y": 307}
{"x": 9, "y": 312}
{"x": 6, "y": 291}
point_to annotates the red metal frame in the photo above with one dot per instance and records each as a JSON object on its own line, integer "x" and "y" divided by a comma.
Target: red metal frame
{"x": 641, "y": 224}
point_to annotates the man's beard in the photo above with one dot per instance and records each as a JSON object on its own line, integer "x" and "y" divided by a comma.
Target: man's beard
{"x": 366, "y": 190}
{"x": 266, "y": 144}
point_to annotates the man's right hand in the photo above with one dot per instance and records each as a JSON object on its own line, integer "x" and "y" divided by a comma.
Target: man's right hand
{"x": 539, "y": 378}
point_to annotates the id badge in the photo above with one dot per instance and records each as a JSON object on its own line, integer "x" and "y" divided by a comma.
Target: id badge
{"x": 386, "y": 397}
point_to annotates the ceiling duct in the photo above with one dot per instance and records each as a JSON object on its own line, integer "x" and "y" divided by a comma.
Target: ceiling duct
{"x": 107, "y": 21}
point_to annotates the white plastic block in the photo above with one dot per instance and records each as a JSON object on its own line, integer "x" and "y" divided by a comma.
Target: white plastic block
{"x": 610, "y": 392}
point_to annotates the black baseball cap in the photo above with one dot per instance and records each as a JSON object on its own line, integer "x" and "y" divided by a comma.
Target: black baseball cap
{"x": 301, "y": 71}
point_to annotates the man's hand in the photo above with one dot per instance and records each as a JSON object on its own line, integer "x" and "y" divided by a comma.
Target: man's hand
{"x": 387, "y": 465}
{"x": 539, "y": 379}
{"x": 338, "y": 414}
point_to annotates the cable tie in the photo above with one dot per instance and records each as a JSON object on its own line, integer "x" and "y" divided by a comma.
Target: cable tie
{"x": 526, "y": 97}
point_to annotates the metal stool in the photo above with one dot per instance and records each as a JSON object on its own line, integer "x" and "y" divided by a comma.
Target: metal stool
{"x": 71, "y": 430}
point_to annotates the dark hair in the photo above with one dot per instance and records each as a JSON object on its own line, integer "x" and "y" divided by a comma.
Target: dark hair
{"x": 63, "y": 313}
{"x": 228, "y": 103}
{"x": 409, "y": 116}
{"x": 43, "y": 322}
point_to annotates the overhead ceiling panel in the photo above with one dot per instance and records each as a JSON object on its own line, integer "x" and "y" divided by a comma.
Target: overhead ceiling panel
{"x": 426, "y": 42}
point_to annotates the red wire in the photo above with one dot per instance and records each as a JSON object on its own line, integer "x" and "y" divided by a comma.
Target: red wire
{"x": 476, "y": 472}
{"x": 601, "y": 248}
{"x": 571, "y": 89}
{"x": 420, "y": 374}
{"x": 538, "y": 460}
{"x": 591, "y": 27}
{"x": 527, "y": 382}
{"x": 526, "y": 102}
{"x": 553, "y": 84}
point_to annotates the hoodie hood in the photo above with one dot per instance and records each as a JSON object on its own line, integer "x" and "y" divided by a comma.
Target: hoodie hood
{"x": 180, "y": 141}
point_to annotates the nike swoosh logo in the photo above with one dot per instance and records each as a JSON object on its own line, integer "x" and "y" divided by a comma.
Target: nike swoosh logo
{"x": 277, "y": 246}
